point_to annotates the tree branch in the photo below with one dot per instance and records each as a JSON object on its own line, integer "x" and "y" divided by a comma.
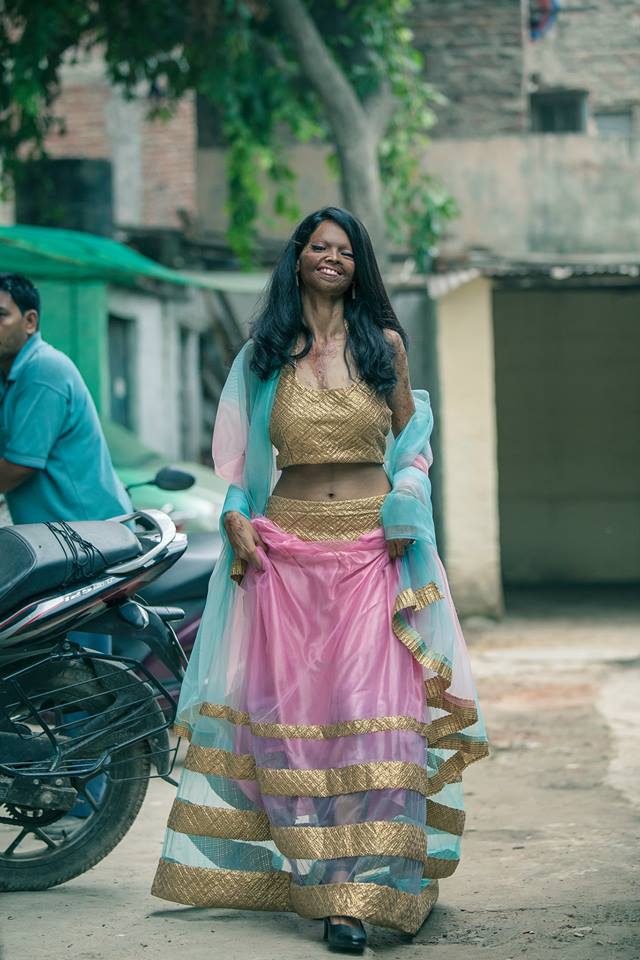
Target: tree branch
{"x": 344, "y": 110}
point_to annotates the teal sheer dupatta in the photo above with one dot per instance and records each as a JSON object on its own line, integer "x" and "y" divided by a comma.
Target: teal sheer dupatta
{"x": 423, "y": 617}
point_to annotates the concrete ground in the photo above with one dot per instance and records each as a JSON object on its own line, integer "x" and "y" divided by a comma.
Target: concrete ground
{"x": 550, "y": 860}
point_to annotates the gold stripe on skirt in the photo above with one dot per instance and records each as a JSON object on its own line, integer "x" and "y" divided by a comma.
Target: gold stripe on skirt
{"x": 246, "y": 890}
{"x": 225, "y": 823}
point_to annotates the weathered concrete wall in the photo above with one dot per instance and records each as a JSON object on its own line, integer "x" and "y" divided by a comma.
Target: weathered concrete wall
{"x": 313, "y": 188}
{"x": 468, "y": 443}
{"x": 167, "y": 411}
{"x": 566, "y": 194}
{"x": 473, "y": 51}
{"x": 519, "y": 194}
{"x": 568, "y": 408}
{"x": 480, "y": 56}
{"x": 594, "y": 47}
{"x": 124, "y": 121}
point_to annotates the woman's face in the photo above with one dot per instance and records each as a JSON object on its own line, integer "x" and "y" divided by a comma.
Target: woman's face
{"x": 326, "y": 264}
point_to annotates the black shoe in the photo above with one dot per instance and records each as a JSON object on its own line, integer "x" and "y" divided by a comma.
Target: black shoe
{"x": 343, "y": 938}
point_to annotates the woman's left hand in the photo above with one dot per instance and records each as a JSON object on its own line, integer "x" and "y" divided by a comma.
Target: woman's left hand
{"x": 397, "y": 548}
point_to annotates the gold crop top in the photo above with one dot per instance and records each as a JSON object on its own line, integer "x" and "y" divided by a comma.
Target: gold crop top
{"x": 340, "y": 425}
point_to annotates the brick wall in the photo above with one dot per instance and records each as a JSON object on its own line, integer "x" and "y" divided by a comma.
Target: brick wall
{"x": 473, "y": 51}
{"x": 83, "y": 108}
{"x": 154, "y": 162}
{"x": 169, "y": 165}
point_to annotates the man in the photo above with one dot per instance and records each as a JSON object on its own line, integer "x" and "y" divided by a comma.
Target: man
{"x": 54, "y": 460}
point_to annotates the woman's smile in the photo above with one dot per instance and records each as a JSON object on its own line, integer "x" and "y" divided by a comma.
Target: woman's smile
{"x": 329, "y": 271}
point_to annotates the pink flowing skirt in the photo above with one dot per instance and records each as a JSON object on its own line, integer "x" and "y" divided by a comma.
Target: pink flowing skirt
{"x": 306, "y": 785}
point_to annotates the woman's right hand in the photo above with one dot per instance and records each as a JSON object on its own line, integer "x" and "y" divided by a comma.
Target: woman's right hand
{"x": 243, "y": 538}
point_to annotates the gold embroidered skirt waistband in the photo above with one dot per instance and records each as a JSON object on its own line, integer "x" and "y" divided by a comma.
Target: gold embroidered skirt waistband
{"x": 325, "y": 519}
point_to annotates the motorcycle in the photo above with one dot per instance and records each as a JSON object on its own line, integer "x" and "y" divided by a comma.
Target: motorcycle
{"x": 80, "y": 730}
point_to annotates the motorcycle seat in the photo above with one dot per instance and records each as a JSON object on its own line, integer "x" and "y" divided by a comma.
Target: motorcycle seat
{"x": 188, "y": 579}
{"x": 40, "y": 557}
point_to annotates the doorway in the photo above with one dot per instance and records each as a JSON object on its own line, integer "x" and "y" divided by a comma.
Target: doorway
{"x": 568, "y": 408}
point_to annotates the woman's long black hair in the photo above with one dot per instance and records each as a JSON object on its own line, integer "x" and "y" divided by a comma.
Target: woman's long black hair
{"x": 280, "y": 320}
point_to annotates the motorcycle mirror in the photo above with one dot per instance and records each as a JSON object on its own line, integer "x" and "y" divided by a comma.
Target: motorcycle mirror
{"x": 170, "y": 478}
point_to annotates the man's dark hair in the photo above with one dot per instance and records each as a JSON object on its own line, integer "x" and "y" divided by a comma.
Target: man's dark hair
{"x": 21, "y": 290}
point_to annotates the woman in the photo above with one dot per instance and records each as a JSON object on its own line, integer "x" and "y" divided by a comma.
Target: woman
{"x": 328, "y": 700}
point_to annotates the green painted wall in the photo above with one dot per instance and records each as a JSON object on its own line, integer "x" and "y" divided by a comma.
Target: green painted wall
{"x": 74, "y": 318}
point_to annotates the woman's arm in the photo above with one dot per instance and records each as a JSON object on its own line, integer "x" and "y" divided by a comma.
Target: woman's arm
{"x": 243, "y": 538}
{"x": 400, "y": 402}
{"x": 400, "y": 399}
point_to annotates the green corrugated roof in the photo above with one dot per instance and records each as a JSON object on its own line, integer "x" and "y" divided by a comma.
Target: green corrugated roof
{"x": 46, "y": 253}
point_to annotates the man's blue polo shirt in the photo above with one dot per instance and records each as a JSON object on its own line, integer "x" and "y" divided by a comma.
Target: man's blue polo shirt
{"x": 48, "y": 421}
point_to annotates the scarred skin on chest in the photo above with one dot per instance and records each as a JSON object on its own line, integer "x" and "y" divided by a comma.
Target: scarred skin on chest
{"x": 325, "y": 366}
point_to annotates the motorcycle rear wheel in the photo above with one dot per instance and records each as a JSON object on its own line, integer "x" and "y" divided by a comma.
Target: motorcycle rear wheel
{"x": 41, "y": 849}
{"x": 89, "y": 844}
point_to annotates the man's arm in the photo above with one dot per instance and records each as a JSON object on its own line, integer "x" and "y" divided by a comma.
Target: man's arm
{"x": 38, "y": 419}
{"x": 12, "y": 475}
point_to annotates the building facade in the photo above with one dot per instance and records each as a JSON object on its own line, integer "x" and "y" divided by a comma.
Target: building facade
{"x": 527, "y": 335}
{"x": 540, "y": 139}
{"x": 153, "y": 162}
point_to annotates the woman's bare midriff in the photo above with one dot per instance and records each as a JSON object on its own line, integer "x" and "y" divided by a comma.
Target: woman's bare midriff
{"x": 332, "y": 481}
